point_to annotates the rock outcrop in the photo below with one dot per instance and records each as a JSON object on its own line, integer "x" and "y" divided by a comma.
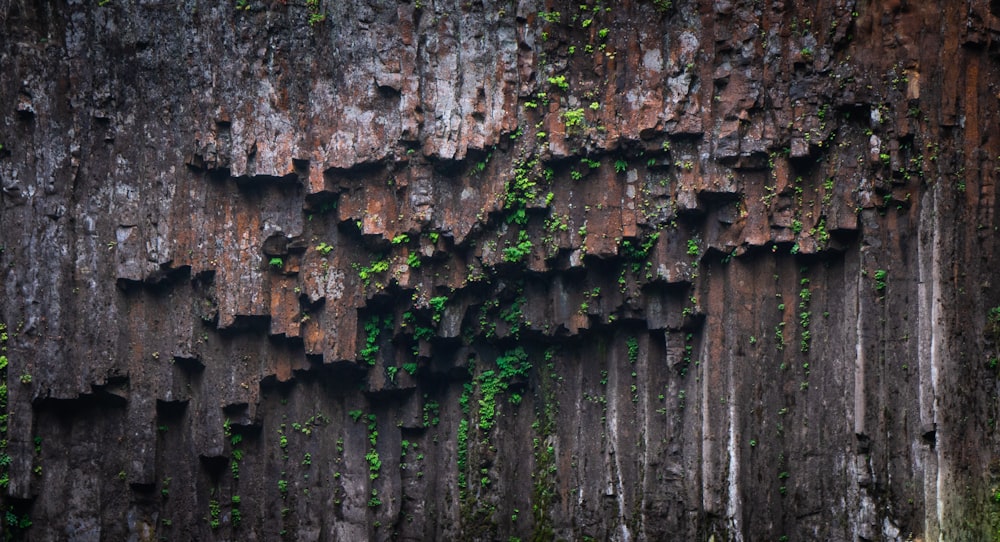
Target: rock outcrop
{"x": 434, "y": 270}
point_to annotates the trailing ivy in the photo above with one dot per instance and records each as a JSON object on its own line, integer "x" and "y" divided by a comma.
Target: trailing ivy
{"x": 521, "y": 190}
{"x": 475, "y": 426}
{"x": 544, "y": 490}
{"x": 805, "y": 295}
{"x": 373, "y": 329}
{"x": 4, "y": 457}
{"x": 14, "y": 522}
{"x": 632, "y": 344}
{"x": 372, "y": 457}
{"x": 513, "y": 363}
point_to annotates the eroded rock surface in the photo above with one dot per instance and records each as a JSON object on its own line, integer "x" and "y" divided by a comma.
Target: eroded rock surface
{"x": 437, "y": 270}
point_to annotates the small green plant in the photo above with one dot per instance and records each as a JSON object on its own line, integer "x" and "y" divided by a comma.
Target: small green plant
{"x": 549, "y": 16}
{"x": 621, "y": 166}
{"x": 432, "y": 412}
{"x": 437, "y": 306}
{"x": 413, "y": 260}
{"x": 692, "y": 247}
{"x": 213, "y": 514}
{"x": 324, "y": 248}
{"x": 277, "y": 263}
{"x": 401, "y": 239}
{"x": 880, "y": 277}
{"x": 377, "y": 267}
{"x": 520, "y": 250}
{"x": 559, "y": 81}
{"x": 573, "y": 118}
{"x": 315, "y": 15}
{"x": 480, "y": 166}
{"x": 632, "y": 345}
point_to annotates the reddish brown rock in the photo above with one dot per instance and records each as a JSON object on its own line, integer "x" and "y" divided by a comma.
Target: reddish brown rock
{"x": 434, "y": 270}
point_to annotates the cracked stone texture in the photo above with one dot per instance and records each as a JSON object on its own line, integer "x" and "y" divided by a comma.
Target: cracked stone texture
{"x": 731, "y": 260}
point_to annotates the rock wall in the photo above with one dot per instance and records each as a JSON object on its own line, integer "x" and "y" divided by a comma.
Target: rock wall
{"x": 431, "y": 270}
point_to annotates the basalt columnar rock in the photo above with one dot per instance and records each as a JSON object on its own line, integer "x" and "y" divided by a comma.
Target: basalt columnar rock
{"x": 433, "y": 270}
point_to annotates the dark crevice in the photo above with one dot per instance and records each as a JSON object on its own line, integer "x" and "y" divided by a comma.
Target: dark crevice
{"x": 170, "y": 411}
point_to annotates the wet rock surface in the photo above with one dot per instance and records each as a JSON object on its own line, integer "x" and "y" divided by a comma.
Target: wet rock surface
{"x": 426, "y": 270}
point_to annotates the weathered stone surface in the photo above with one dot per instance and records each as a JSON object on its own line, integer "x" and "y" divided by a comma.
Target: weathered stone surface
{"x": 477, "y": 270}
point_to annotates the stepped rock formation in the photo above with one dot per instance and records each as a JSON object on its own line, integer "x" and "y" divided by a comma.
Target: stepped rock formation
{"x": 491, "y": 270}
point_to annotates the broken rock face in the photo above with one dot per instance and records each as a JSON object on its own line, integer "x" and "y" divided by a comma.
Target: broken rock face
{"x": 641, "y": 270}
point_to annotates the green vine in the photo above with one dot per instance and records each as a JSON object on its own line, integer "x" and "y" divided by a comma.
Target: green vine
{"x": 16, "y": 523}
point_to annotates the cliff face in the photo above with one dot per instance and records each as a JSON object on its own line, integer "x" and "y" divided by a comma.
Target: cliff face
{"x": 580, "y": 270}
